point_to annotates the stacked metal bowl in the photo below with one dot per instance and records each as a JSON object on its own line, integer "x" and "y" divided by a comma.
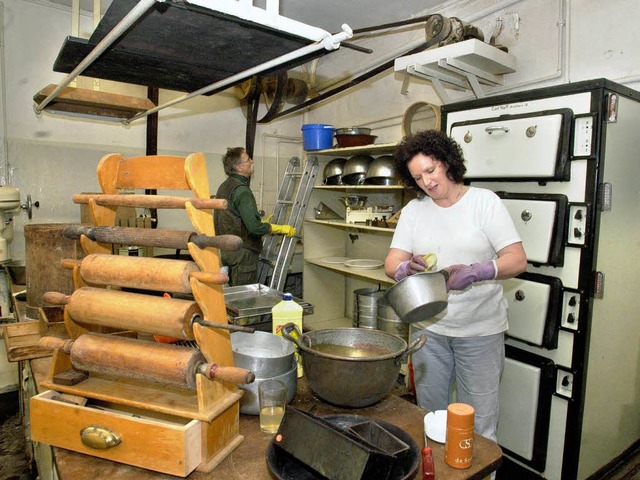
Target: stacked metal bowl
{"x": 269, "y": 357}
{"x": 354, "y": 136}
{"x": 332, "y": 173}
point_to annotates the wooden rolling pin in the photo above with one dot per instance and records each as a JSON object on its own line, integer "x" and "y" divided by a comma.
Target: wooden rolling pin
{"x": 150, "y": 362}
{"x": 170, "y": 317}
{"x": 125, "y": 272}
{"x": 149, "y": 237}
{"x": 147, "y": 273}
{"x": 163, "y": 316}
{"x": 150, "y": 201}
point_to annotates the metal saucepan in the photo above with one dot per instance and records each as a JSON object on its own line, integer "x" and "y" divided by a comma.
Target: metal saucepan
{"x": 265, "y": 354}
{"x": 419, "y": 297}
{"x": 351, "y": 367}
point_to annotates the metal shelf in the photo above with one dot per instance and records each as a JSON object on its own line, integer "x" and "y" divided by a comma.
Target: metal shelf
{"x": 377, "y": 274}
{"x": 347, "y": 188}
{"x": 352, "y": 226}
{"x": 147, "y": 42}
{"x": 373, "y": 148}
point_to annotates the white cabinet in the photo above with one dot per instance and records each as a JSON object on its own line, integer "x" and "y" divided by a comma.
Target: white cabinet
{"x": 328, "y": 284}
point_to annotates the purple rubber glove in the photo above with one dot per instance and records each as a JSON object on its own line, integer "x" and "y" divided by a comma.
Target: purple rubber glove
{"x": 410, "y": 267}
{"x": 461, "y": 276}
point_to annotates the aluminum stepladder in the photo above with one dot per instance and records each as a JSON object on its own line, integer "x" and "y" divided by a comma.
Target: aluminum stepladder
{"x": 289, "y": 209}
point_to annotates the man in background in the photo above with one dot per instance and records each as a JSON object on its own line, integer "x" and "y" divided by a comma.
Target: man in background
{"x": 241, "y": 218}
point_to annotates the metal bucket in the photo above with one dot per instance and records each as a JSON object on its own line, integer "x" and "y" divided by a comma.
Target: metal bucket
{"x": 390, "y": 322}
{"x": 365, "y": 307}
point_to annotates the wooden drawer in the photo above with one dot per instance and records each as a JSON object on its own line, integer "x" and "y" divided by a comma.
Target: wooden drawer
{"x": 164, "y": 443}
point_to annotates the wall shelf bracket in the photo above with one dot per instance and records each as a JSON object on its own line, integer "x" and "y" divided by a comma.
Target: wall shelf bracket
{"x": 466, "y": 65}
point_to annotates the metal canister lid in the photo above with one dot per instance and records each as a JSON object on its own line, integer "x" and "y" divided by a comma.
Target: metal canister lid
{"x": 460, "y": 415}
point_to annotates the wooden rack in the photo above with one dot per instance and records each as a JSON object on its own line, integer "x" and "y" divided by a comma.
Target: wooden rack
{"x": 207, "y": 418}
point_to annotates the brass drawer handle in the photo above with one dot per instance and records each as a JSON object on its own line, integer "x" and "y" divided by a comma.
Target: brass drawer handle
{"x": 100, "y": 438}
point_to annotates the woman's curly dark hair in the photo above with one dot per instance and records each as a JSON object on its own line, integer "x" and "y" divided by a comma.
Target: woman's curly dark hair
{"x": 432, "y": 143}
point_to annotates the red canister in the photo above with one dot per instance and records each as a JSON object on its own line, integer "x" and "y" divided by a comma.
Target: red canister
{"x": 458, "y": 449}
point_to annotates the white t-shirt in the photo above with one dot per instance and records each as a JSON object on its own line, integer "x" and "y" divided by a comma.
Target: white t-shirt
{"x": 472, "y": 230}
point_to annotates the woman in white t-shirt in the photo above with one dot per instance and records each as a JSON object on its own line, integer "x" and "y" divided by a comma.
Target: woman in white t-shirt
{"x": 474, "y": 238}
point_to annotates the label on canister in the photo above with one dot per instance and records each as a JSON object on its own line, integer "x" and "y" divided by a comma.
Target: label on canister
{"x": 458, "y": 448}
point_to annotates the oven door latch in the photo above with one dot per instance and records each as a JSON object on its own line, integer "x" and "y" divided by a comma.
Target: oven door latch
{"x": 604, "y": 198}
{"x": 598, "y": 285}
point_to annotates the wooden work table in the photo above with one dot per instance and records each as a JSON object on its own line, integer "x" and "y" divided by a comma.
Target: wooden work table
{"x": 248, "y": 461}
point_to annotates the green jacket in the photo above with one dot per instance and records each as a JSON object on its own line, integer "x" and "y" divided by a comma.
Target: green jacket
{"x": 241, "y": 217}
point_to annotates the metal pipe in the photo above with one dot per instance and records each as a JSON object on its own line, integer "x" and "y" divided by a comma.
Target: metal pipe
{"x": 4, "y": 148}
{"x": 131, "y": 17}
{"x": 331, "y": 42}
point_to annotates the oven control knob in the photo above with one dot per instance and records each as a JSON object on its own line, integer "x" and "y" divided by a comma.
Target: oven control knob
{"x": 571, "y": 318}
{"x": 531, "y": 131}
{"x": 519, "y": 295}
{"x": 572, "y": 301}
{"x": 468, "y": 137}
{"x": 526, "y": 215}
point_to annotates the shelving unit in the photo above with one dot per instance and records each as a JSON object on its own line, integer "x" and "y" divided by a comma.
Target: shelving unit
{"x": 329, "y": 286}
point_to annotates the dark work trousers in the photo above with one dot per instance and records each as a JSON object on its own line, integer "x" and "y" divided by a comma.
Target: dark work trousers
{"x": 243, "y": 266}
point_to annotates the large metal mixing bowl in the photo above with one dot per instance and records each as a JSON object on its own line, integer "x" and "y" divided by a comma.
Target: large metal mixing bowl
{"x": 351, "y": 367}
{"x": 355, "y": 169}
{"x": 332, "y": 173}
{"x": 381, "y": 171}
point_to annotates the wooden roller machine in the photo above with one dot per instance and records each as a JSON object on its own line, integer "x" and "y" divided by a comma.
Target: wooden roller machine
{"x": 158, "y": 406}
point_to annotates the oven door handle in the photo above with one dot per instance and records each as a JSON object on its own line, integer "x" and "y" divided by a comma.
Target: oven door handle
{"x": 498, "y": 128}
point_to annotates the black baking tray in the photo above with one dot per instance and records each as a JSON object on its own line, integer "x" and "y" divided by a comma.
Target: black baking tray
{"x": 284, "y": 467}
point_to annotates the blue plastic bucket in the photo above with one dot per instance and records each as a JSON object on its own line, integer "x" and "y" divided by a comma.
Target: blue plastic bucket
{"x": 317, "y": 136}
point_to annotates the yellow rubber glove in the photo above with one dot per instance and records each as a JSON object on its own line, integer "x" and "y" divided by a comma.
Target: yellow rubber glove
{"x": 430, "y": 259}
{"x": 287, "y": 230}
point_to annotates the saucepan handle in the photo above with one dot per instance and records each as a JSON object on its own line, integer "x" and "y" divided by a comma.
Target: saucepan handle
{"x": 287, "y": 328}
{"x": 416, "y": 345}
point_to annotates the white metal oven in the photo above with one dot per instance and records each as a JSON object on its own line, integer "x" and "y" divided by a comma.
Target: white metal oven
{"x": 565, "y": 162}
